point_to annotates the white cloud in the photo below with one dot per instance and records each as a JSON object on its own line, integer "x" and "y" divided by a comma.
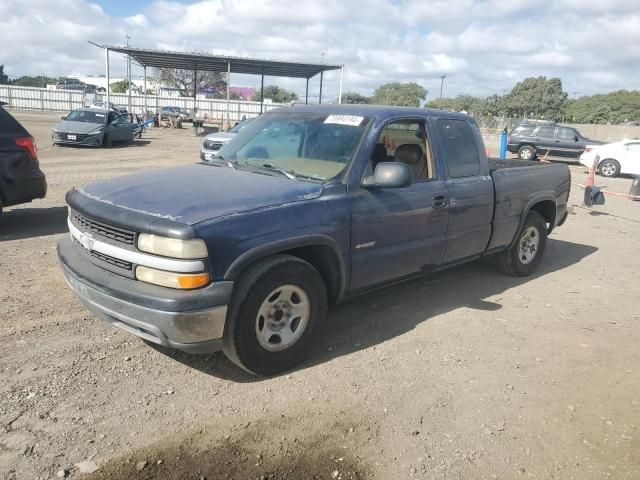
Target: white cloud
{"x": 484, "y": 46}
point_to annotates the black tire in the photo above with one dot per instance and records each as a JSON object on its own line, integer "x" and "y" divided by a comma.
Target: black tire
{"x": 511, "y": 262}
{"x": 609, "y": 168}
{"x": 258, "y": 285}
{"x": 527, "y": 152}
{"x": 106, "y": 141}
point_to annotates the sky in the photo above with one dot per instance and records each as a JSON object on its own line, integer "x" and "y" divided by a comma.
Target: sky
{"x": 482, "y": 46}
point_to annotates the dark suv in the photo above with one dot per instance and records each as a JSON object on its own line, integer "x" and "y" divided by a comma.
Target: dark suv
{"x": 21, "y": 179}
{"x": 529, "y": 140}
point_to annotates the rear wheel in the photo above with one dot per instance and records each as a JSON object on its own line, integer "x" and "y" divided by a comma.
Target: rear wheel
{"x": 523, "y": 257}
{"x": 609, "y": 168}
{"x": 277, "y": 307}
{"x": 526, "y": 153}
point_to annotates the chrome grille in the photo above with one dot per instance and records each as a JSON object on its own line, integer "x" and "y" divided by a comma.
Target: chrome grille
{"x": 118, "y": 234}
{"x": 211, "y": 145}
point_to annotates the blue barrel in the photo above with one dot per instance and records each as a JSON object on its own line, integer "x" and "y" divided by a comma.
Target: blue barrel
{"x": 503, "y": 144}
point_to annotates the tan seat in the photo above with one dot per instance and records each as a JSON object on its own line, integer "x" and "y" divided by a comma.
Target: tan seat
{"x": 412, "y": 155}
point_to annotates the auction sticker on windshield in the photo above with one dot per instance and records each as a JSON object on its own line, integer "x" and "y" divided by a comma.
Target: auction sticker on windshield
{"x": 352, "y": 120}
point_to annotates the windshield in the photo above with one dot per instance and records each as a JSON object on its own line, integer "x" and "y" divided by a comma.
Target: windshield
{"x": 87, "y": 116}
{"x": 313, "y": 145}
{"x": 240, "y": 126}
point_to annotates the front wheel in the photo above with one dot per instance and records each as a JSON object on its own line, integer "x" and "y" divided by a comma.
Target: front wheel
{"x": 609, "y": 168}
{"x": 106, "y": 141}
{"x": 523, "y": 257}
{"x": 277, "y": 306}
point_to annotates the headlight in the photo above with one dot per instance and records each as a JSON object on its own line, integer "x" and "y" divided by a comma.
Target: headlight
{"x": 172, "y": 247}
{"x": 95, "y": 131}
{"x": 183, "y": 281}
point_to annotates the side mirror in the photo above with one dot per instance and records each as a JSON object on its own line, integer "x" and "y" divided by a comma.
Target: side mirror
{"x": 389, "y": 175}
{"x": 575, "y": 138}
{"x": 64, "y": 117}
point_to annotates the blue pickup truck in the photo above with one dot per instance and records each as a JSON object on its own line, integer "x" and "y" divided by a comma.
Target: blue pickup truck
{"x": 305, "y": 207}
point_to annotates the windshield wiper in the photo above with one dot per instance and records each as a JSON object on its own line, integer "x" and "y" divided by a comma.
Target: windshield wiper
{"x": 219, "y": 160}
{"x": 290, "y": 174}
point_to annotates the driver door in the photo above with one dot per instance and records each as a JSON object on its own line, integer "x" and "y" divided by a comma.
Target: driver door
{"x": 398, "y": 232}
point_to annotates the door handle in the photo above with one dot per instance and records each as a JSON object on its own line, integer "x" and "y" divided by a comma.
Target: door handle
{"x": 438, "y": 201}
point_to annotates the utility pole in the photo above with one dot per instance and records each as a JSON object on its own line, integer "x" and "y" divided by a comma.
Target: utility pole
{"x": 442, "y": 77}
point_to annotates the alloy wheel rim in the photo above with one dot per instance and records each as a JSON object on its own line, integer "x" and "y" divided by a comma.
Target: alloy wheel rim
{"x": 608, "y": 169}
{"x": 282, "y": 318}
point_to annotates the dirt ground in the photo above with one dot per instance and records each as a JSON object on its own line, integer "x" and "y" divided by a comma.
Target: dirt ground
{"x": 467, "y": 374}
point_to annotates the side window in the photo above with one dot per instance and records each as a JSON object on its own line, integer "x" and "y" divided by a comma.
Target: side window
{"x": 633, "y": 147}
{"x": 545, "y": 132}
{"x": 404, "y": 141}
{"x": 566, "y": 134}
{"x": 459, "y": 148}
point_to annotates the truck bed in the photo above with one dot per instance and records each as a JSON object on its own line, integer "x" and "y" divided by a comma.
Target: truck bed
{"x": 519, "y": 183}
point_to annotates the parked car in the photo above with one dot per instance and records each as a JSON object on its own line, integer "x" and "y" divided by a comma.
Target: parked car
{"x": 530, "y": 140}
{"x": 93, "y": 127}
{"x": 70, "y": 84}
{"x": 214, "y": 141}
{"x": 615, "y": 159}
{"x": 305, "y": 207}
{"x": 166, "y": 113}
{"x": 21, "y": 179}
{"x": 109, "y": 106}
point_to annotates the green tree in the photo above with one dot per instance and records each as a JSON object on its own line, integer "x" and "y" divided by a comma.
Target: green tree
{"x": 40, "y": 81}
{"x": 277, "y": 94}
{"x": 183, "y": 80}
{"x": 4, "y": 78}
{"x": 614, "y": 107}
{"x": 536, "y": 96}
{"x": 119, "y": 87}
{"x": 399, "y": 94}
{"x": 467, "y": 103}
{"x": 355, "y": 98}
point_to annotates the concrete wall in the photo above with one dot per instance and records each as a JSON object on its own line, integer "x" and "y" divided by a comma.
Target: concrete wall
{"x": 607, "y": 133}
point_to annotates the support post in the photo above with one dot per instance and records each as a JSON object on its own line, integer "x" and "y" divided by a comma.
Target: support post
{"x": 261, "y": 93}
{"x": 320, "y": 96}
{"x": 340, "y": 88}
{"x": 195, "y": 90}
{"x": 145, "y": 91}
{"x": 228, "y": 91}
{"x": 107, "y": 68}
{"x": 129, "y": 109}
{"x": 306, "y": 93}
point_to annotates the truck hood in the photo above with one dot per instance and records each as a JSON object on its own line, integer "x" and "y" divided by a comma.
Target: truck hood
{"x": 77, "y": 127}
{"x": 196, "y": 193}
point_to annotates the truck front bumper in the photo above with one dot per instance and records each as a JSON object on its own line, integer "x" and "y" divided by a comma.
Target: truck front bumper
{"x": 188, "y": 320}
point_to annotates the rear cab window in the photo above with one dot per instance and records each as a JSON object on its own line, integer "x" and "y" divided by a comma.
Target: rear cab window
{"x": 459, "y": 147}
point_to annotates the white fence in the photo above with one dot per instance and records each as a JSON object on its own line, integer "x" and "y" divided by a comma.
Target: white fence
{"x": 213, "y": 110}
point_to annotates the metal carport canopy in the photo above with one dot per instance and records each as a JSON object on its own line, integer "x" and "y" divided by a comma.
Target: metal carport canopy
{"x": 221, "y": 63}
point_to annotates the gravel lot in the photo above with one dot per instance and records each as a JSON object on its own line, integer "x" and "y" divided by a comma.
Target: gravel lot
{"x": 468, "y": 374}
